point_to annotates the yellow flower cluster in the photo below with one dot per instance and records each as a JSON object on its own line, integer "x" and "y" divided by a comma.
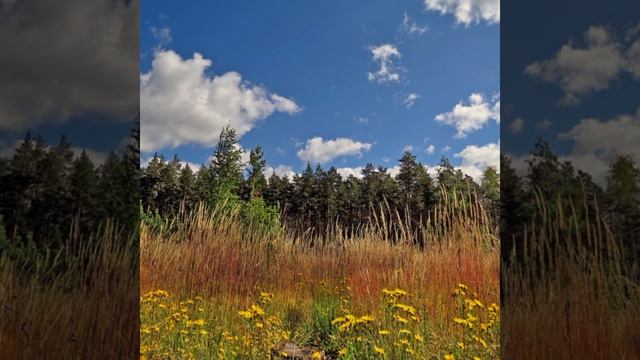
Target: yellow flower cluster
{"x": 479, "y": 336}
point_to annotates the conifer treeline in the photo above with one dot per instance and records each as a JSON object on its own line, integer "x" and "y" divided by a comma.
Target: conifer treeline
{"x": 49, "y": 197}
{"x": 315, "y": 201}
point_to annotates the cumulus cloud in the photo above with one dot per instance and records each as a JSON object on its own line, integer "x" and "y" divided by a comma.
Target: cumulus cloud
{"x": 430, "y": 149}
{"x": 280, "y": 170}
{"x": 476, "y": 158}
{"x": 411, "y": 27}
{"x": 410, "y": 99}
{"x": 472, "y": 116}
{"x": 346, "y": 171}
{"x": 181, "y": 104}
{"x": 516, "y": 126}
{"x": 384, "y": 55}
{"x": 467, "y": 12}
{"x": 52, "y": 71}
{"x": 583, "y": 70}
{"x": 320, "y": 151}
{"x": 596, "y": 143}
{"x": 408, "y": 148}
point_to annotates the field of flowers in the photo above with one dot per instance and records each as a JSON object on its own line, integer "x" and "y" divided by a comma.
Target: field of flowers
{"x": 211, "y": 290}
{"x": 333, "y": 329}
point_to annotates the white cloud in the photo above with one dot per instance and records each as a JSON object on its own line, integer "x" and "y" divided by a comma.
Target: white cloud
{"x": 516, "y": 126}
{"x": 473, "y": 116}
{"x": 467, "y": 11}
{"x": 410, "y": 99}
{"x": 581, "y": 71}
{"x": 280, "y": 170}
{"x": 596, "y": 143}
{"x": 520, "y": 163}
{"x": 411, "y": 27}
{"x": 476, "y": 158}
{"x": 446, "y": 148}
{"x": 162, "y": 35}
{"x": 181, "y": 104}
{"x": 362, "y": 120}
{"x": 407, "y": 148}
{"x": 346, "y": 171}
{"x": 430, "y": 149}
{"x": 544, "y": 124}
{"x": 320, "y": 151}
{"x": 384, "y": 55}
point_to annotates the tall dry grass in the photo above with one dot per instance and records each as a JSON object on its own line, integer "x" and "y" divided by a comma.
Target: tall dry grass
{"x": 569, "y": 296}
{"x": 90, "y": 310}
{"x": 210, "y": 254}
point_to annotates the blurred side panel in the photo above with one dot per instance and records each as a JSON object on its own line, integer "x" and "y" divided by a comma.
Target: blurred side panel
{"x": 69, "y": 163}
{"x": 570, "y": 180}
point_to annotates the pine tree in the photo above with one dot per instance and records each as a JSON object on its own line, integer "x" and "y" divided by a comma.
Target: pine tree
{"x": 490, "y": 188}
{"x": 257, "y": 181}
{"x": 226, "y": 167}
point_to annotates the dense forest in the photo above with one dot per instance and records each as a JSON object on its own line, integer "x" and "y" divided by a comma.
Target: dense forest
{"x": 315, "y": 202}
{"x": 50, "y": 198}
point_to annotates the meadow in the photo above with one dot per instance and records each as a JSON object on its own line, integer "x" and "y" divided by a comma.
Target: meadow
{"x": 214, "y": 288}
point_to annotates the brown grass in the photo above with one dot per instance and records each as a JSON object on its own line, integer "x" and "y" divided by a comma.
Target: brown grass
{"x": 580, "y": 305}
{"x": 88, "y": 312}
{"x": 213, "y": 256}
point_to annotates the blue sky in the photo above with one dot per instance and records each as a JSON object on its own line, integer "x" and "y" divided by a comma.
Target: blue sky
{"x": 576, "y": 85}
{"x": 308, "y": 70}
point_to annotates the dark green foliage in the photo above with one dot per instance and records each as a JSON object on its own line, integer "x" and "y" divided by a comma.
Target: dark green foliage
{"x": 554, "y": 188}
{"x": 50, "y": 199}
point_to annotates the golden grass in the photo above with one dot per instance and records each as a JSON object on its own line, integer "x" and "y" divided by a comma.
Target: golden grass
{"x": 87, "y": 311}
{"x": 211, "y": 256}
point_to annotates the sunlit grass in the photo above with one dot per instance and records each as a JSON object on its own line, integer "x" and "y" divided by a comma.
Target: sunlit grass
{"x": 332, "y": 298}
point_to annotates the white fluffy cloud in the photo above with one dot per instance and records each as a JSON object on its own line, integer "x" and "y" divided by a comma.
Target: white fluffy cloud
{"x": 320, "y": 151}
{"x": 384, "y": 55}
{"x": 473, "y": 116}
{"x": 181, "y": 104}
{"x": 430, "y": 149}
{"x": 411, "y": 27}
{"x": 581, "y": 71}
{"x": 467, "y": 12}
{"x": 280, "y": 170}
{"x": 411, "y": 99}
{"x": 516, "y": 126}
{"x": 476, "y": 158}
{"x": 346, "y": 171}
{"x": 596, "y": 143}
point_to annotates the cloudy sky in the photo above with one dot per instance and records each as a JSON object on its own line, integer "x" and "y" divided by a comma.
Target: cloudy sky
{"x": 69, "y": 66}
{"x": 575, "y": 83}
{"x": 331, "y": 82}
